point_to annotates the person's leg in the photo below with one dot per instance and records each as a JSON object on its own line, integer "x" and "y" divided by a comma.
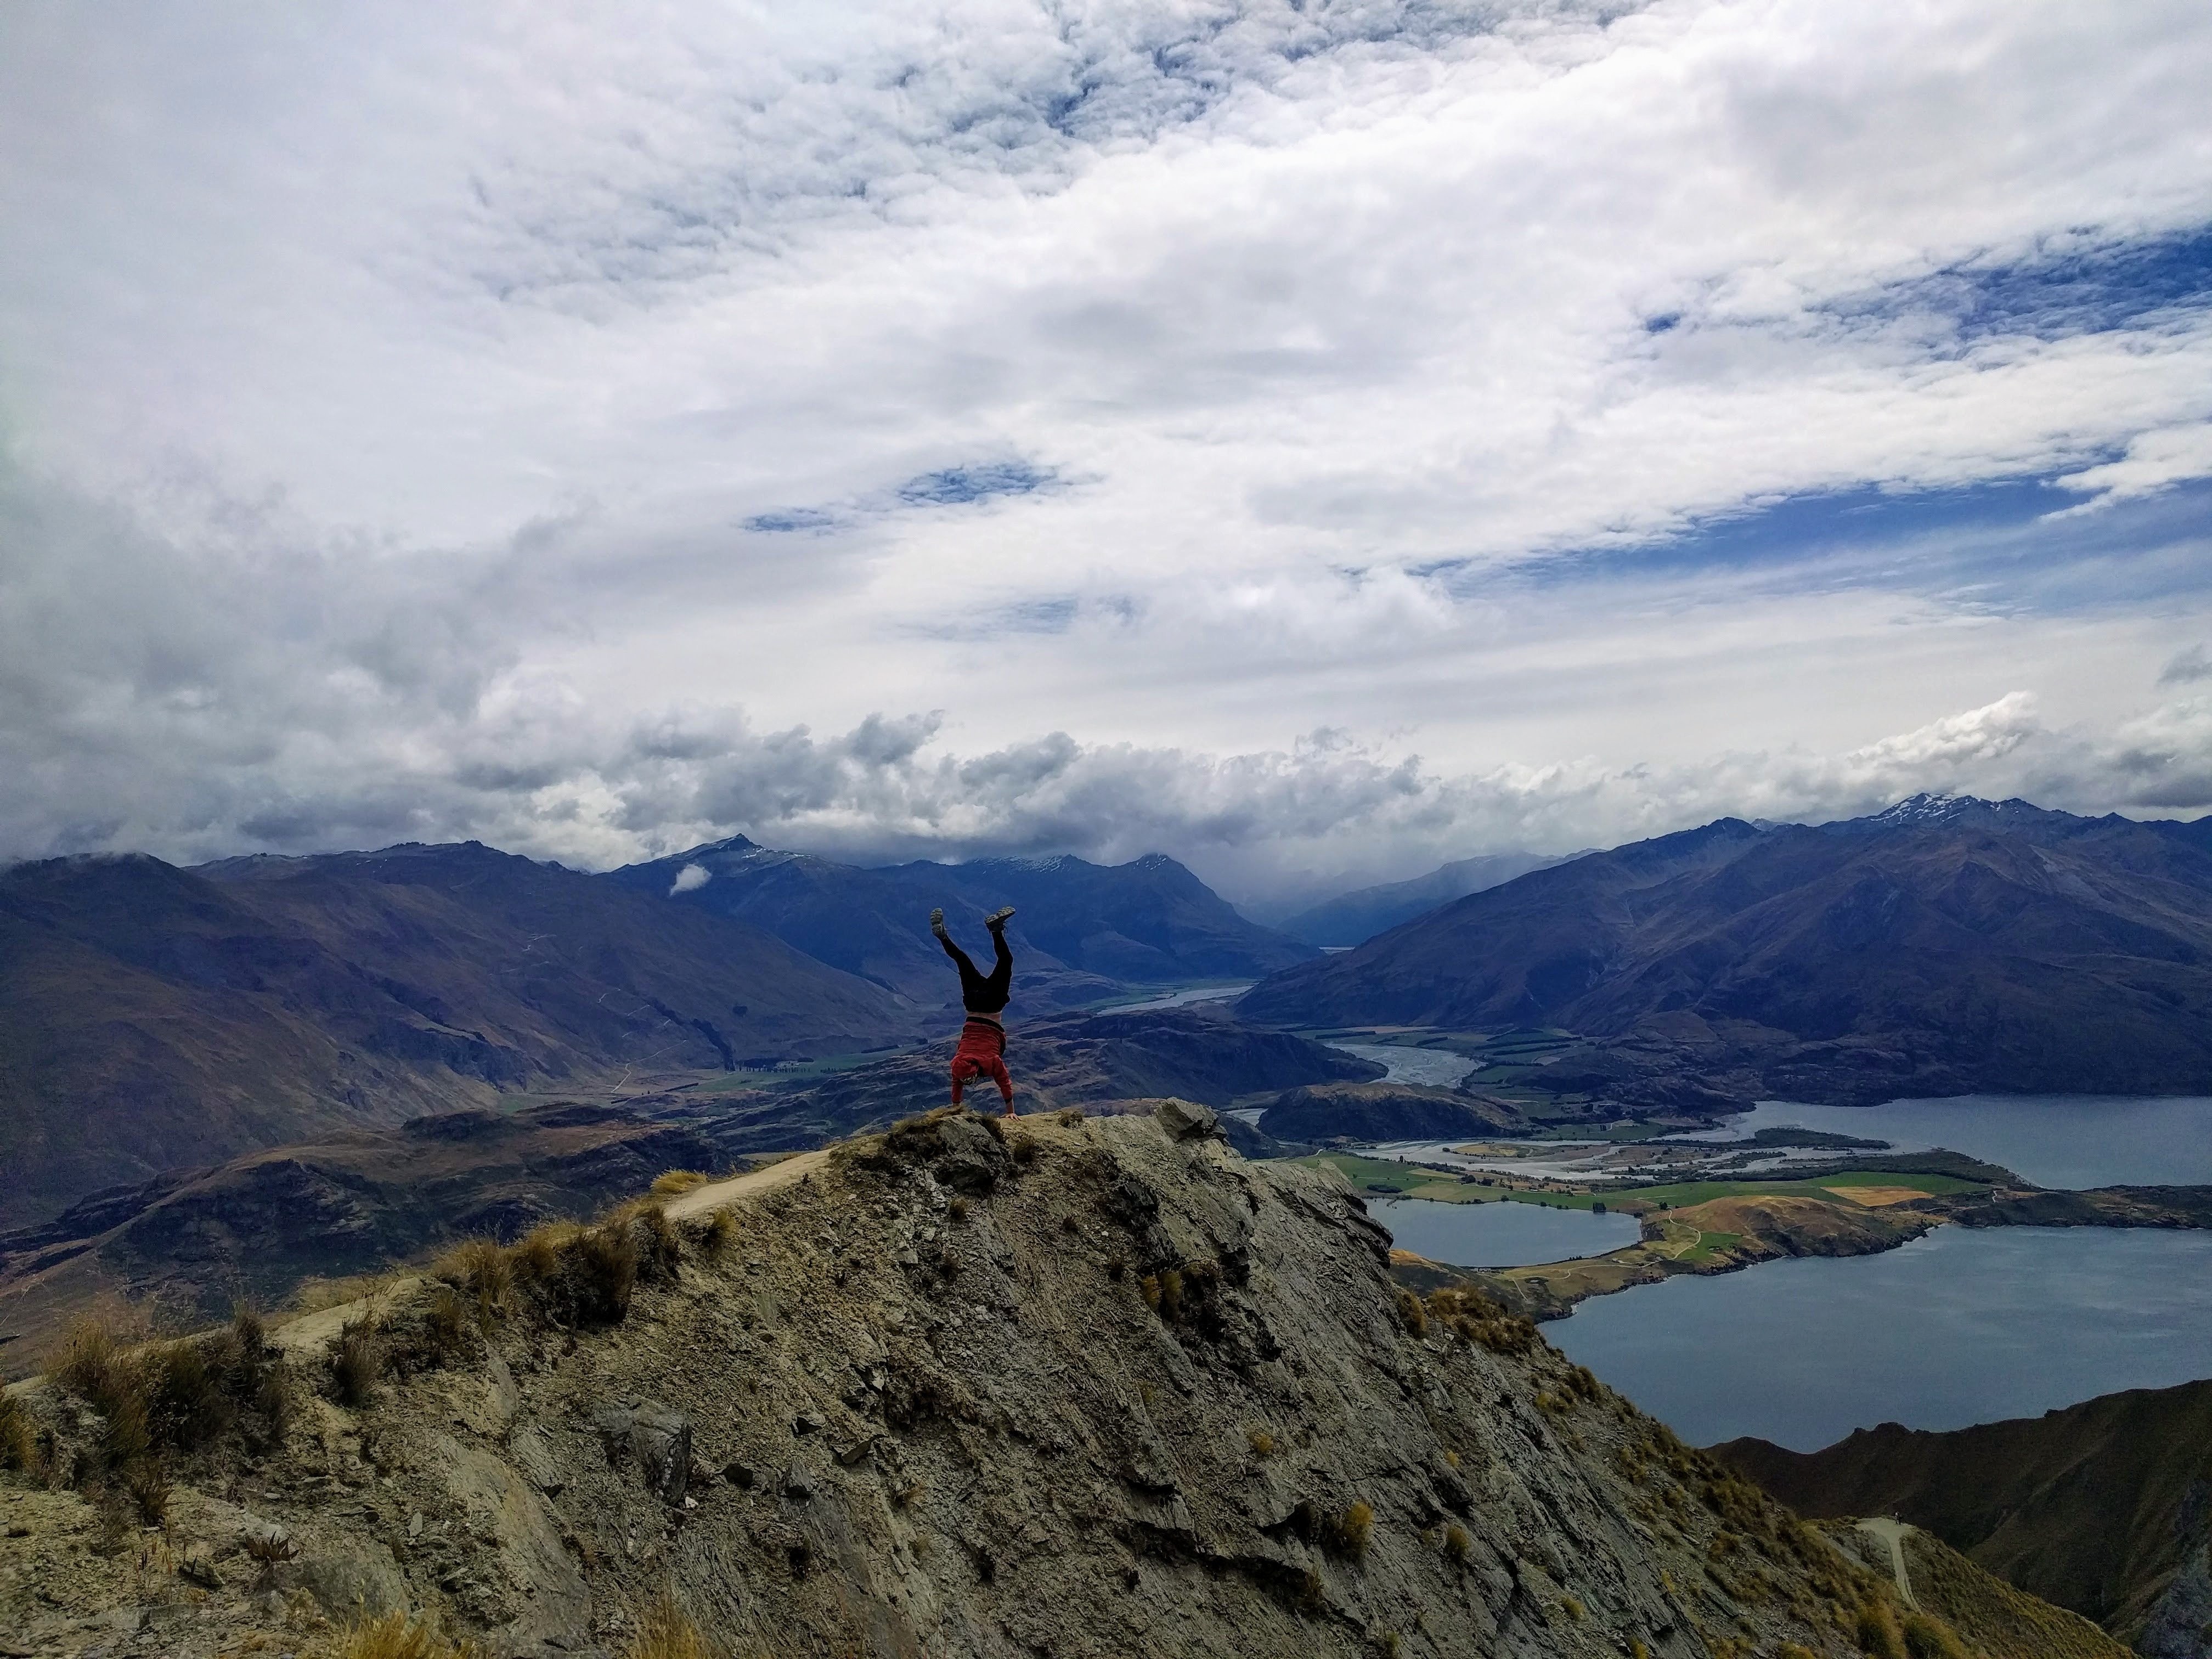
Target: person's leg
{"x": 1000, "y": 984}
{"x": 972, "y": 984}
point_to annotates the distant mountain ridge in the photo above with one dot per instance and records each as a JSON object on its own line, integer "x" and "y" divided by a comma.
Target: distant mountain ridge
{"x": 152, "y": 1017}
{"x": 1081, "y": 929}
{"x": 1947, "y": 945}
{"x": 1355, "y": 917}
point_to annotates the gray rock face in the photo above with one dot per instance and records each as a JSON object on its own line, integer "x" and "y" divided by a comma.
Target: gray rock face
{"x": 1186, "y": 1120}
{"x": 2180, "y": 1623}
{"x": 355, "y": 1580}
{"x": 652, "y": 1438}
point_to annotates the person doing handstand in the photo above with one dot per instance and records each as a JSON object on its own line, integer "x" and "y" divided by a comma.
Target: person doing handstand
{"x": 982, "y": 1050}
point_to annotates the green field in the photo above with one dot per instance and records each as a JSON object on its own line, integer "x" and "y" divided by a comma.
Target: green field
{"x": 1385, "y": 1177}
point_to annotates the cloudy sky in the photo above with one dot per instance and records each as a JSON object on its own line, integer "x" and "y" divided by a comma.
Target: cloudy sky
{"x": 1313, "y": 439}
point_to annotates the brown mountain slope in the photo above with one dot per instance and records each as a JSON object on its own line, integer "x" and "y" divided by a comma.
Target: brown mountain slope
{"x": 1066, "y": 1388}
{"x": 190, "y": 1243}
{"x": 2005, "y": 1623}
{"x": 152, "y": 1017}
{"x": 1945, "y": 947}
{"x": 2105, "y": 1507}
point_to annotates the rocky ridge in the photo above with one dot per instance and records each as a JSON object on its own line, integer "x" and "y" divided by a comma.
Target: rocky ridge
{"x": 1055, "y": 1386}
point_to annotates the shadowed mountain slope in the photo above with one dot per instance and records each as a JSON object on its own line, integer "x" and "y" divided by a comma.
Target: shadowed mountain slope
{"x": 152, "y": 1017}
{"x": 1355, "y": 917}
{"x": 966, "y": 1390}
{"x": 1942, "y": 947}
{"x": 190, "y": 1242}
{"x": 1082, "y": 931}
{"x": 2105, "y": 1508}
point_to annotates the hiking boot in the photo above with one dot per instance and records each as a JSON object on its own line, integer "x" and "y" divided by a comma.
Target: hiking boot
{"x": 997, "y": 918}
{"x": 937, "y": 924}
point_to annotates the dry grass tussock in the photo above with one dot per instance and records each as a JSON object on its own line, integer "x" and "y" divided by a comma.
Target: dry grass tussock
{"x": 1475, "y": 1318}
{"x": 396, "y": 1636}
{"x": 667, "y": 1632}
{"x": 677, "y": 1183}
{"x": 484, "y": 1270}
{"x": 148, "y": 1402}
{"x": 19, "y": 1436}
{"x": 564, "y": 1272}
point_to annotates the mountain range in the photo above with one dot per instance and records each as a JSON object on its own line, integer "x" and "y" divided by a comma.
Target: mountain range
{"x": 1946, "y": 946}
{"x": 1355, "y": 917}
{"x": 152, "y": 1017}
{"x": 155, "y": 1018}
{"x": 1081, "y": 931}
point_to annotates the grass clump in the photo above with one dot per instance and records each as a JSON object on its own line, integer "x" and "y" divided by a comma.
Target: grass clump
{"x": 1411, "y": 1314}
{"x": 1167, "y": 1298}
{"x": 483, "y": 1271}
{"x": 1475, "y": 1318}
{"x": 148, "y": 1488}
{"x": 1931, "y": 1638}
{"x": 677, "y": 1183}
{"x": 537, "y": 1257}
{"x": 1348, "y": 1532}
{"x": 151, "y": 1400}
{"x": 1263, "y": 1443}
{"x": 396, "y": 1636}
{"x": 358, "y": 1360}
{"x": 722, "y": 1233}
{"x": 667, "y": 1632}
{"x": 1457, "y": 1544}
{"x": 1876, "y": 1631}
{"x": 19, "y": 1437}
{"x": 659, "y": 1251}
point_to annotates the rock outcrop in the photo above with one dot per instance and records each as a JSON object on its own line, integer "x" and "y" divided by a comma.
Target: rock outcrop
{"x": 1050, "y": 1387}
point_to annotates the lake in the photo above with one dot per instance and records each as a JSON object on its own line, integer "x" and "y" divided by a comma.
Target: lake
{"x": 1499, "y": 1234}
{"x": 2053, "y": 1140}
{"x": 1962, "y": 1327}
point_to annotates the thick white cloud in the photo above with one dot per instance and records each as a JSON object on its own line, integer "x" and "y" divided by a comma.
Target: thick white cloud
{"x": 505, "y": 421}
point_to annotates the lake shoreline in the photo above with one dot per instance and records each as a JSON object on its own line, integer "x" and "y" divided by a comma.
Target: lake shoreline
{"x": 1550, "y": 1291}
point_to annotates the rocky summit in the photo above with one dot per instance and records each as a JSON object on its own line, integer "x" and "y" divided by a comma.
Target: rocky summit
{"x": 1051, "y": 1386}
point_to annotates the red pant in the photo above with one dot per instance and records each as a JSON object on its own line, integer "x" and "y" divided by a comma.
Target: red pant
{"x": 981, "y": 1053}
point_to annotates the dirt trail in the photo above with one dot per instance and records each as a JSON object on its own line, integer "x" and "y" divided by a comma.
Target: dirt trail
{"x": 703, "y": 1201}
{"x": 1892, "y": 1533}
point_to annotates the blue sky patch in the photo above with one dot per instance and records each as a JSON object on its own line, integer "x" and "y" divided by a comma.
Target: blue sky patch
{"x": 785, "y": 520}
{"x": 956, "y": 486}
{"x": 2085, "y": 290}
{"x": 1991, "y": 546}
